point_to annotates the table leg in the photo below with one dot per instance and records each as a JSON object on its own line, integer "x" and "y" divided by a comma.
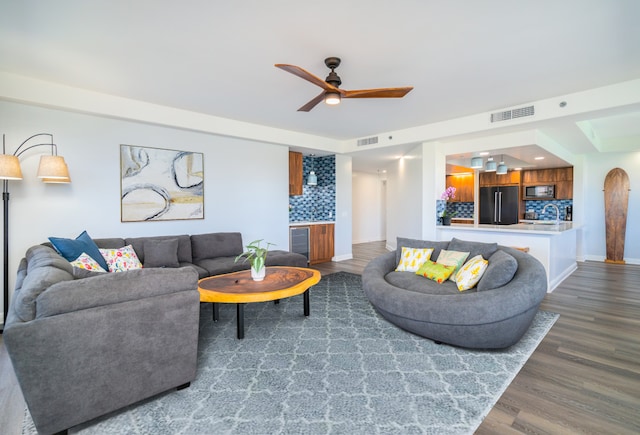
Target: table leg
{"x": 240, "y": 320}
{"x": 305, "y": 295}
{"x": 216, "y": 312}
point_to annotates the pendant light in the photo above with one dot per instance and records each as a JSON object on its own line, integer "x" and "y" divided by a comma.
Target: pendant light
{"x": 502, "y": 168}
{"x": 312, "y": 179}
{"x": 490, "y": 166}
{"x": 476, "y": 163}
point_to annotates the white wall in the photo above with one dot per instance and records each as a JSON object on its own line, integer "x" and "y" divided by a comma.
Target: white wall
{"x": 368, "y": 204}
{"x": 597, "y": 166}
{"x": 91, "y": 148}
{"x": 343, "y": 231}
{"x": 405, "y": 198}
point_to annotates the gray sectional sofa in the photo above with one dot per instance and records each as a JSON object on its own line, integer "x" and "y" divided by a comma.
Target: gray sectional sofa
{"x": 84, "y": 344}
{"x": 495, "y": 314}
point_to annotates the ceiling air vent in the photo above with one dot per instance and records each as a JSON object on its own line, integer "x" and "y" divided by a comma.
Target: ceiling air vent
{"x": 512, "y": 114}
{"x": 368, "y": 141}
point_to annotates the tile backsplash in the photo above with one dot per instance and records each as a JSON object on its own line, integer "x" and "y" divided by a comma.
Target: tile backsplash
{"x": 462, "y": 209}
{"x": 316, "y": 202}
{"x": 550, "y": 214}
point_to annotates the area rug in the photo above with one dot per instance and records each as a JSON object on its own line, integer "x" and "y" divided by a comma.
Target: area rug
{"x": 343, "y": 370}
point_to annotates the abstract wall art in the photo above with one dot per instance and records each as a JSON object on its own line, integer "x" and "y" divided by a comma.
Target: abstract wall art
{"x": 159, "y": 184}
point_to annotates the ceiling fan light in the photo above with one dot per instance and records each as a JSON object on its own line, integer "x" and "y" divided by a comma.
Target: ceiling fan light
{"x": 476, "y": 163}
{"x": 332, "y": 98}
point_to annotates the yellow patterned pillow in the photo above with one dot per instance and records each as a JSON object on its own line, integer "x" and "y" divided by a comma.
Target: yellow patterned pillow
{"x": 469, "y": 275}
{"x": 435, "y": 271}
{"x": 452, "y": 258}
{"x": 412, "y": 258}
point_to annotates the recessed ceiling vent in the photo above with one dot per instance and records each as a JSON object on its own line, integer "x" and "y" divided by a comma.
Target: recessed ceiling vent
{"x": 512, "y": 114}
{"x": 368, "y": 141}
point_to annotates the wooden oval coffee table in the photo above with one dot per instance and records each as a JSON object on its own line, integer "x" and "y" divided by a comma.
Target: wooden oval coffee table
{"x": 239, "y": 288}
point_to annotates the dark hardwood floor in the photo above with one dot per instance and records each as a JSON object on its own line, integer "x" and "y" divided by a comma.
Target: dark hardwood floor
{"x": 583, "y": 378}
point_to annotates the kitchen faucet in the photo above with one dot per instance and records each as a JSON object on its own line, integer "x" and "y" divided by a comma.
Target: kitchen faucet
{"x": 557, "y": 211}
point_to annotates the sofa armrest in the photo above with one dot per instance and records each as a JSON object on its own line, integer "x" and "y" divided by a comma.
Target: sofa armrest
{"x": 113, "y": 288}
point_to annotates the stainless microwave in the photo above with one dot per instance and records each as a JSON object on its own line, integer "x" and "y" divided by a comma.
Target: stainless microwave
{"x": 540, "y": 192}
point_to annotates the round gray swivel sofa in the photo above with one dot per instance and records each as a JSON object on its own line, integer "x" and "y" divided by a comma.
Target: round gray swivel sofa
{"x": 493, "y": 315}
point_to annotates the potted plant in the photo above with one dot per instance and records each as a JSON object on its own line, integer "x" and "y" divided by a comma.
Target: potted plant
{"x": 449, "y": 193}
{"x": 257, "y": 256}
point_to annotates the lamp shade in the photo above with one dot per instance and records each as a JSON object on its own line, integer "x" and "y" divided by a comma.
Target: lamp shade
{"x": 490, "y": 166}
{"x": 312, "y": 179}
{"x": 53, "y": 167}
{"x": 476, "y": 163}
{"x": 10, "y": 167}
{"x": 502, "y": 169}
{"x": 332, "y": 98}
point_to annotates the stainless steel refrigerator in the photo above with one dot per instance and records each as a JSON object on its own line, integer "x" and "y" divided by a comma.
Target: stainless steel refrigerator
{"x": 499, "y": 205}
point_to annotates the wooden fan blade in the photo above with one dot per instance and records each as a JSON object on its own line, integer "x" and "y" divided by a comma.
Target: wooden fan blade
{"x": 304, "y": 74}
{"x": 378, "y": 93}
{"x": 311, "y": 104}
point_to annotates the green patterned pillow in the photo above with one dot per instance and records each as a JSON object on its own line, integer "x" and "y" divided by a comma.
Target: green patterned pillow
{"x": 452, "y": 258}
{"x": 435, "y": 271}
{"x": 412, "y": 258}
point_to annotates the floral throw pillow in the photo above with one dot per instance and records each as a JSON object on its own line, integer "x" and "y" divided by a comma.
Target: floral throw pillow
{"x": 86, "y": 262}
{"x": 471, "y": 272}
{"x": 121, "y": 259}
{"x": 412, "y": 258}
{"x": 435, "y": 271}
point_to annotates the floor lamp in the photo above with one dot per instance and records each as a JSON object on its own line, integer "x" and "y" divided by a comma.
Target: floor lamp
{"x": 52, "y": 169}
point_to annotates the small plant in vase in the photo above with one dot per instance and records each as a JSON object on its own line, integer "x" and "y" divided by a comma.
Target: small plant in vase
{"x": 257, "y": 256}
{"x": 449, "y": 193}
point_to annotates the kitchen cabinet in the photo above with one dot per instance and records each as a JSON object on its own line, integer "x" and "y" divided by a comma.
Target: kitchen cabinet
{"x": 511, "y": 178}
{"x": 295, "y": 173}
{"x": 321, "y": 243}
{"x": 562, "y": 178}
{"x": 464, "y": 187}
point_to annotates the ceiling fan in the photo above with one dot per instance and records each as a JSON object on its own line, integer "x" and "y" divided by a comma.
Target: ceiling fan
{"x": 331, "y": 93}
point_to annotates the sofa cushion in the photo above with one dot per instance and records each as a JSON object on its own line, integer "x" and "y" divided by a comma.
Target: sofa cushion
{"x": 71, "y": 249}
{"x": 161, "y": 253}
{"x": 416, "y": 283}
{"x": 437, "y": 272}
{"x": 469, "y": 274}
{"x": 415, "y": 243}
{"x": 412, "y": 258}
{"x": 500, "y": 271}
{"x": 184, "y": 246}
{"x": 473, "y": 248}
{"x": 220, "y": 265}
{"x": 45, "y": 267}
{"x": 213, "y": 245}
{"x": 285, "y": 258}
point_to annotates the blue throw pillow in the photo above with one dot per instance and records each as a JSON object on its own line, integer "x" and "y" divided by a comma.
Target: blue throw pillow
{"x": 72, "y": 249}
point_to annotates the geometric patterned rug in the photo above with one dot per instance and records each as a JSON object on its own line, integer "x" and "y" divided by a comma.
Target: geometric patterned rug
{"x": 342, "y": 370}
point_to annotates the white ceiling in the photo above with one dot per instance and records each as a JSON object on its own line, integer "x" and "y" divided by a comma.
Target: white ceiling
{"x": 214, "y": 57}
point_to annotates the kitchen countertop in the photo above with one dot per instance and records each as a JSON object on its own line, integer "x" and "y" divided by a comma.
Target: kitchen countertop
{"x": 306, "y": 223}
{"x": 529, "y": 228}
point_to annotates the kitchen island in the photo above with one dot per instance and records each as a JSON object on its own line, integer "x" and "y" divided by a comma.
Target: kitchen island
{"x": 554, "y": 245}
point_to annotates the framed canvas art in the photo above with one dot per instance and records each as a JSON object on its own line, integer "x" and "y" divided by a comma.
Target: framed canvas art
{"x": 158, "y": 184}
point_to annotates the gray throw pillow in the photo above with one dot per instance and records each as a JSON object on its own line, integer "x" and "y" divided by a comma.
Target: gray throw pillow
{"x": 419, "y": 244}
{"x": 161, "y": 253}
{"x": 502, "y": 267}
{"x": 473, "y": 248}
